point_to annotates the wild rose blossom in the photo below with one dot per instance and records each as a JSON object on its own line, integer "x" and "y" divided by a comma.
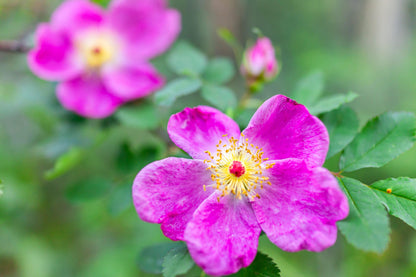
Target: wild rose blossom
{"x": 259, "y": 61}
{"x": 269, "y": 177}
{"x": 101, "y": 57}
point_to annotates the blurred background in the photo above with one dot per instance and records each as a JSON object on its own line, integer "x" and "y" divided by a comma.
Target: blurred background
{"x": 81, "y": 222}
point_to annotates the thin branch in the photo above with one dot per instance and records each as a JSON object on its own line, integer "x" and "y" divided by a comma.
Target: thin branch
{"x": 13, "y": 46}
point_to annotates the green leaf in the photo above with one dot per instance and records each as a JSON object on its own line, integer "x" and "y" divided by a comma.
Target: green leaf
{"x": 309, "y": 89}
{"x": 399, "y": 197}
{"x": 1, "y": 188}
{"x": 230, "y": 39}
{"x": 185, "y": 59}
{"x": 332, "y": 102}
{"x": 65, "y": 162}
{"x": 342, "y": 125}
{"x": 262, "y": 266}
{"x": 129, "y": 160}
{"x": 244, "y": 117}
{"x": 151, "y": 258}
{"x": 176, "y": 88}
{"x": 103, "y": 3}
{"x": 143, "y": 116}
{"x": 177, "y": 261}
{"x": 381, "y": 140}
{"x": 367, "y": 225}
{"x": 221, "y": 97}
{"x": 219, "y": 71}
{"x": 88, "y": 189}
{"x": 120, "y": 199}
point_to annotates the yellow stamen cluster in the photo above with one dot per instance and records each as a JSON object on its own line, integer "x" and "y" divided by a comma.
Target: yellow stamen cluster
{"x": 97, "y": 48}
{"x": 229, "y": 151}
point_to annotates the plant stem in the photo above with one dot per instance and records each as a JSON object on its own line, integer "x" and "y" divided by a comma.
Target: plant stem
{"x": 13, "y": 46}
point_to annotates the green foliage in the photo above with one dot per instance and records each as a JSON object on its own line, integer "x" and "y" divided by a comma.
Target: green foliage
{"x": 103, "y": 3}
{"x": 332, "y": 102}
{"x": 262, "y": 266}
{"x": 309, "y": 89}
{"x": 230, "y": 39}
{"x": 176, "y": 88}
{"x": 88, "y": 189}
{"x": 399, "y": 197}
{"x": 219, "y": 71}
{"x": 143, "y": 116}
{"x": 367, "y": 225}
{"x": 342, "y": 125}
{"x": 219, "y": 96}
{"x": 119, "y": 199}
{"x": 152, "y": 257}
{"x": 381, "y": 140}
{"x": 130, "y": 160}
{"x": 177, "y": 261}
{"x": 65, "y": 162}
{"x": 184, "y": 59}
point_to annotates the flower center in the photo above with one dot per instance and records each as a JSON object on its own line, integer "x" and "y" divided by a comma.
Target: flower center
{"x": 238, "y": 168}
{"x": 97, "y": 48}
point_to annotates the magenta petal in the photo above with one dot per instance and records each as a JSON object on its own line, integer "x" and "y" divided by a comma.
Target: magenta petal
{"x": 147, "y": 27}
{"x": 299, "y": 210}
{"x": 199, "y": 129}
{"x": 222, "y": 237}
{"x": 169, "y": 191}
{"x": 54, "y": 57}
{"x": 87, "y": 96}
{"x": 73, "y": 16}
{"x": 286, "y": 129}
{"x": 133, "y": 82}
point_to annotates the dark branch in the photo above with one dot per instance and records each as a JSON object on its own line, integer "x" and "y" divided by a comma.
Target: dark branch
{"x": 13, "y": 46}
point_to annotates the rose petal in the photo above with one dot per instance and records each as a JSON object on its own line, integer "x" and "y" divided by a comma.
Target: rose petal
{"x": 133, "y": 82}
{"x": 222, "y": 237}
{"x": 299, "y": 210}
{"x": 199, "y": 129}
{"x": 286, "y": 129}
{"x": 147, "y": 27}
{"x": 54, "y": 57}
{"x": 87, "y": 96}
{"x": 169, "y": 191}
{"x": 74, "y": 16}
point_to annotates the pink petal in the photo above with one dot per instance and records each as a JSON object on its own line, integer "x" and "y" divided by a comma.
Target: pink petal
{"x": 147, "y": 27}
{"x": 286, "y": 129}
{"x": 53, "y": 58}
{"x": 257, "y": 61}
{"x": 169, "y": 191}
{"x": 133, "y": 82}
{"x": 299, "y": 210}
{"x": 73, "y": 16}
{"x": 87, "y": 96}
{"x": 199, "y": 129}
{"x": 222, "y": 237}
{"x": 271, "y": 70}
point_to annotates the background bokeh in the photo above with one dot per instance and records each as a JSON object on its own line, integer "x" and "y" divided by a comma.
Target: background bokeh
{"x": 48, "y": 228}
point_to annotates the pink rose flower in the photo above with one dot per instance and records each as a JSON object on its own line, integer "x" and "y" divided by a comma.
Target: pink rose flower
{"x": 269, "y": 177}
{"x": 259, "y": 61}
{"x": 101, "y": 58}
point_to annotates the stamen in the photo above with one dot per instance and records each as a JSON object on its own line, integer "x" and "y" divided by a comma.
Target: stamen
{"x": 238, "y": 168}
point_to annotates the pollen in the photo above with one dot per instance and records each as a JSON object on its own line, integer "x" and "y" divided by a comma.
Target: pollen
{"x": 238, "y": 168}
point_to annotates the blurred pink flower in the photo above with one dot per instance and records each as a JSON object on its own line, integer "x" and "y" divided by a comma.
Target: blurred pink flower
{"x": 101, "y": 58}
{"x": 259, "y": 61}
{"x": 269, "y": 177}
